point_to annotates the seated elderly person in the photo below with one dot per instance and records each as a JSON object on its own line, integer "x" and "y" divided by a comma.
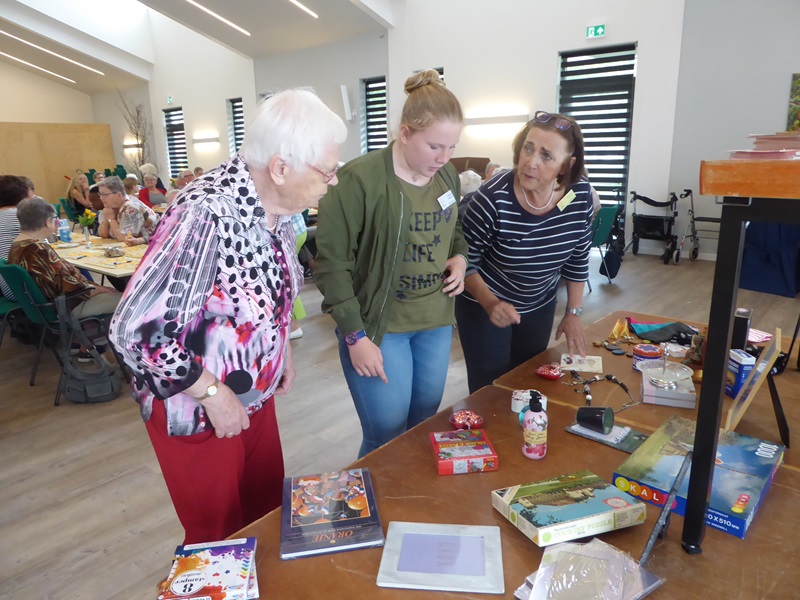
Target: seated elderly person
{"x": 124, "y": 219}
{"x": 54, "y": 276}
{"x": 151, "y": 194}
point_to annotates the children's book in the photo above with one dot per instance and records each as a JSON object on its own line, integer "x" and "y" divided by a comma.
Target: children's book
{"x": 567, "y": 507}
{"x": 435, "y": 556}
{"x": 222, "y": 570}
{"x": 329, "y": 512}
{"x": 463, "y": 451}
{"x": 743, "y": 473}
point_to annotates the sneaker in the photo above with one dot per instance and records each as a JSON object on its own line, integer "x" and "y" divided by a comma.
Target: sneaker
{"x": 85, "y": 357}
{"x": 308, "y": 273}
{"x": 297, "y": 333}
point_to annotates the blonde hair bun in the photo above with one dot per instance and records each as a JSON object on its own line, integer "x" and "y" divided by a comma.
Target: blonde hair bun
{"x": 423, "y": 78}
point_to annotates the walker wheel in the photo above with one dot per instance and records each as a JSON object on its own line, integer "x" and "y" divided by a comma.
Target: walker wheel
{"x": 635, "y": 245}
{"x": 676, "y": 257}
{"x": 667, "y": 256}
{"x": 694, "y": 253}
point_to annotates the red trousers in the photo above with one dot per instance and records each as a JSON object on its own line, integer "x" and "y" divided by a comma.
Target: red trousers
{"x": 219, "y": 485}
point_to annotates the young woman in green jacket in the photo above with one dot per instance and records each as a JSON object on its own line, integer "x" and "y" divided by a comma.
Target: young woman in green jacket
{"x": 391, "y": 258}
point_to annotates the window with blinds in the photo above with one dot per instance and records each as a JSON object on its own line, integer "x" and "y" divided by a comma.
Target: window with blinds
{"x": 376, "y": 124}
{"x": 596, "y": 89}
{"x": 176, "y": 141}
{"x": 235, "y": 124}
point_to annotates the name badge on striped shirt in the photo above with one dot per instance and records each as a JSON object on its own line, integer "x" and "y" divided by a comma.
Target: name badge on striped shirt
{"x": 564, "y": 202}
{"x": 447, "y": 199}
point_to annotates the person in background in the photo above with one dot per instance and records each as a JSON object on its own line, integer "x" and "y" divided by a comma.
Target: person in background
{"x": 94, "y": 198}
{"x": 527, "y": 229}
{"x": 198, "y": 171}
{"x": 470, "y": 182}
{"x": 150, "y": 169}
{"x": 390, "y": 258}
{"x": 151, "y": 194}
{"x": 489, "y": 172}
{"x": 131, "y": 186}
{"x": 172, "y": 195}
{"x": 13, "y": 190}
{"x": 54, "y": 276}
{"x": 125, "y": 219}
{"x": 78, "y": 192}
{"x": 187, "y": 176}
{"x": 298, "y": 310}
{"x": 204, "y": 324}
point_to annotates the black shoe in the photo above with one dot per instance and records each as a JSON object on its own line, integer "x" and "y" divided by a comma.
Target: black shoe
{"x": 308, "y": 273}
{"x": 85, "y": 357}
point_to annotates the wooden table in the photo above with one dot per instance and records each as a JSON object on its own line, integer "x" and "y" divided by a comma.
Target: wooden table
{"x": 758, "y": 421}
{"x": 409, "y": 489}
{"x": 94, "y": 258}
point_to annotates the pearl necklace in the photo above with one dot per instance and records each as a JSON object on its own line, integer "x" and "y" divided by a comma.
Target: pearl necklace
{"x": 549, "y": 202}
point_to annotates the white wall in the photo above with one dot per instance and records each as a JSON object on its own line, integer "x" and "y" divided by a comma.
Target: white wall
{"x": 735, "y": 73}
{"x": 200, "y": 75}
{"x": 28, "y": 98}
{"x": 107, "y": 108}
{"x": 326, "y": 69}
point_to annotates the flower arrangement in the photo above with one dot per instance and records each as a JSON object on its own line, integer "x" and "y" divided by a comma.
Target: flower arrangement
{"x": 88, "y": 218}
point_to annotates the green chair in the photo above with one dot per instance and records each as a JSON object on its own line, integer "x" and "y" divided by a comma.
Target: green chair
{"x": 69, "y": 211}
{"x": 601, "y": 229}
{"x": 42, "y": 313}
{"x": 7, "y": 308}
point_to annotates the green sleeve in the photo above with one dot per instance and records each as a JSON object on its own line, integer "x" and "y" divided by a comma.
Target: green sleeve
{"x": 339, "y": 225}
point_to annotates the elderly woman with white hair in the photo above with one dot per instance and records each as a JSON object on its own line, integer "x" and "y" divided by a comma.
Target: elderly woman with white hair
{"x": 204, "y": 322}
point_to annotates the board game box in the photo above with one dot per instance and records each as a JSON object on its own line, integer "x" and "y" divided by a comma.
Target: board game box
{"x": 743, "y": 473}
{"x": 463, "y": 451}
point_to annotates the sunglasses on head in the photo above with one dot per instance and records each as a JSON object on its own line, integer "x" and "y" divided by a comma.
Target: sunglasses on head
{"x": 545, "y": 117}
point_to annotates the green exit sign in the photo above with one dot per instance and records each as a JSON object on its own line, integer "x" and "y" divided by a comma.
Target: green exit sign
{"x": 595, "y": 31}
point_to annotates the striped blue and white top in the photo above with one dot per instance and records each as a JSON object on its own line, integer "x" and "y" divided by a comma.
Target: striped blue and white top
{"x": 9, "y": 229}
{"x": 522, "y": 256}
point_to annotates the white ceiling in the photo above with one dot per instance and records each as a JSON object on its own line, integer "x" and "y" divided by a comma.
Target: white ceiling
{"x": 85, "y": 81}
{"x": 276, "y": 27}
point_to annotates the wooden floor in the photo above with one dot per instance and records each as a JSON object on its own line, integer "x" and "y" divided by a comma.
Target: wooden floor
{"x": 84, "y": 512}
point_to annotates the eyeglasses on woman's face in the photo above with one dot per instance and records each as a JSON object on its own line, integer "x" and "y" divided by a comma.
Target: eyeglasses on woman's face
{"x": 328, "y": 176}
{"x": 545, "y": 117}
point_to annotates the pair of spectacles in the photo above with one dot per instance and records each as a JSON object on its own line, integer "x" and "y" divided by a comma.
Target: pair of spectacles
{"x": 328, "y": 176}
{"x": 545, "y": 117}
{"x": 104, "y": 194}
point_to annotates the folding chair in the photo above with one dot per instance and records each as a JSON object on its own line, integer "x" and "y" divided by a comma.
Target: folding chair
{"x": 7, "y": 307}
{"x": 601, "y": 229}
{"x": 42, "y": 313}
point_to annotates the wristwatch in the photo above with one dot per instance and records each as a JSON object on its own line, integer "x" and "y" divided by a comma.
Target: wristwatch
{"x": 575, "y": 311}
{"x": 211, "y": 391}
{"x": 351, "y": 338}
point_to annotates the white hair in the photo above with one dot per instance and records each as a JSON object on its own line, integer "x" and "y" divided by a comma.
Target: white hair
{"x": 470, "y": 181}
{"x": 295, "y": 125}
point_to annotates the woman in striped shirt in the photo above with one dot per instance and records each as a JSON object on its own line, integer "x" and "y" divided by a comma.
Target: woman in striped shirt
{"x": 526, "y": 228}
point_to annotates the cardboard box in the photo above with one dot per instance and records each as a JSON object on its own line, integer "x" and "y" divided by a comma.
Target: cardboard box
{"x": 740, "y": 363}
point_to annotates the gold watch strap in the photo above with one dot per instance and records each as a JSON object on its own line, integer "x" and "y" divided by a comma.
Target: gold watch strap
{"x": 205, "y": 396}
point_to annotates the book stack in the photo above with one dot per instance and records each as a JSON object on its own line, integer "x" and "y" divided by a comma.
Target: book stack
{"x": 567, "y": 507}
{"x": 329, "y": 512}
{"x": 225, "y": 569}
{"x": 784, "y": 145}
{"x": 743, "y": 473}
{"x": 463, "y": 451}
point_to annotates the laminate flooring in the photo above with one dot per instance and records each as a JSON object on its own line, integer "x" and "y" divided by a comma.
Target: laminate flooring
{"x": 84, "y": 512}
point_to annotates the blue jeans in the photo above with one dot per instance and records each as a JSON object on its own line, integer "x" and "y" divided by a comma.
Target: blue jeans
{"x": 416, "y": 367}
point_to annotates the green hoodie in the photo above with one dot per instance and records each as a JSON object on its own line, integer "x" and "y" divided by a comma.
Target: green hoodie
{"x": 362, "y": 228}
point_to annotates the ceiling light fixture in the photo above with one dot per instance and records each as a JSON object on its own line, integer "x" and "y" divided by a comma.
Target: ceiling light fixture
{"x": 35, "y": 67}
{"x": 216, "y": 16}
{"x": 56, "y": 54}
{"x": 304, "y": 8}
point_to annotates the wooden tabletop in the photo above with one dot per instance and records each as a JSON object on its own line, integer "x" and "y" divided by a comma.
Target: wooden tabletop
{"x": 94, "y": 258}
{"x": 759, "y": 420}
{"x": 750, "y": 178}
{"x": 408, "y": 489}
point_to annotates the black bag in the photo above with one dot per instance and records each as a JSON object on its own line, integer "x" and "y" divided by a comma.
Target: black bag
{"x": 610, "y": 264}
{"x": 97, "y": 382}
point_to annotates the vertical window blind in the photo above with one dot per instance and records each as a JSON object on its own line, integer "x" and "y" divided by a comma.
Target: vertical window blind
{"x": 176, "y": 141}
{"x": 596, "y": 89}
{"x": 235, "y": 124}
{"x": 376, "y": 126}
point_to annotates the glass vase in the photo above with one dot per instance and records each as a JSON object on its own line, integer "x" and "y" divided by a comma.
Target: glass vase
{"x": 87, "y": 236}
